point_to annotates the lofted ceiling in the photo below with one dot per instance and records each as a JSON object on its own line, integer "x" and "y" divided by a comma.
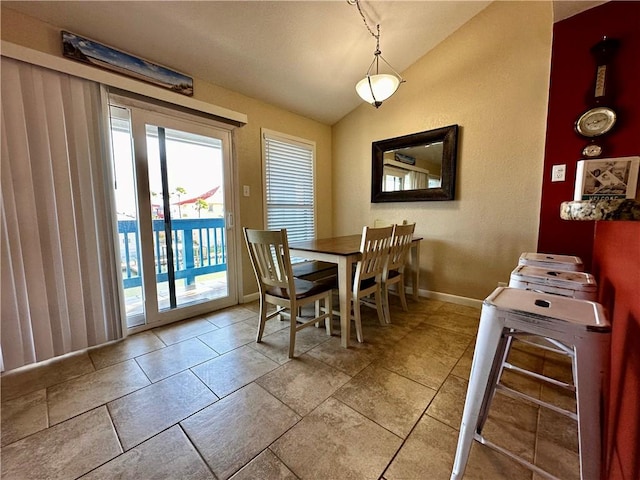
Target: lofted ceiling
{"x": 303, "y": 56}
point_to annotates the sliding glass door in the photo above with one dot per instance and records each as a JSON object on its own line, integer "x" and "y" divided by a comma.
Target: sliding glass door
{"x": 174, "y": 205}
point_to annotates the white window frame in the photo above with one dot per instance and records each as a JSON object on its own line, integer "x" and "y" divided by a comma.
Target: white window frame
{"x": 292, "y": 141}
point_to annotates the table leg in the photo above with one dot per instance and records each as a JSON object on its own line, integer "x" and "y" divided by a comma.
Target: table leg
{"x": 415, "y": 269}
{"x": 344, "y": 289}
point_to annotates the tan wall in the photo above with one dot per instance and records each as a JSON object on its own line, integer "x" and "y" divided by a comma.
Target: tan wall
{"x": 32, "y": 33}
{"x": 491, "y": 77}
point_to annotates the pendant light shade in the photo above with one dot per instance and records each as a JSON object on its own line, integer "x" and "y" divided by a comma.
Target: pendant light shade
{"x": 375, "y": 89}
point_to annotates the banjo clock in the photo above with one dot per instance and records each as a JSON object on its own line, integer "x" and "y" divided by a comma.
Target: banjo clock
{"x": 600, "y": 116}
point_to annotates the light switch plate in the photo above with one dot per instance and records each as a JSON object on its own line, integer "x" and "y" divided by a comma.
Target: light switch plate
{"x": 246, "y": 191}
{"x": 558, "y": 173}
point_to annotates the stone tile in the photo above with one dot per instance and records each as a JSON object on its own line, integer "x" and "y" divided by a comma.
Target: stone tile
{"x": 334, "y": 441}
{"x": 276, "y": 345}
{"x": 230, "y": 315}
{"x": 419, "y": 366}
{"x": 233, "y": 370}
{"x": 428, "y": 452}
{"x": 380, "y": 338}
{"x": 303, "y": 383}
{"x": 485, "y": 463}
{"x": 448, "y": 404}
{"x": 67, "y": 450}
{"x": 529, "y": 360}
{"x": 93, "y": 389}
{"x": 42, "y": 375}
{"x": 272, "y": 325}
{"x": 427, "y": 355}
{"x": 23, "y": 416}
{"x": 167, "y": 455}
{"x": 225, "y": 339}
{"x": 465, "y": 324}
{"x": 558, "y": 367}
{"x": 511, "y": 423}
{"x": 350, "y": 360}
{"x": 557, "y": 446}
{"x": 130, "y": 347}
{"x": 265, "y": 466}
{"x": 463, "y": 366}
{"x": 175, "y": 358}
{"x": 183, "y": 330}
{"x": 146, "y": 412}
{"x": 232, "y": 431}
{"x": 425, "y": 305}
{"x": 438, "y": 341}
{"x": 454, "y": 308}
{"x": 392, "y": 401}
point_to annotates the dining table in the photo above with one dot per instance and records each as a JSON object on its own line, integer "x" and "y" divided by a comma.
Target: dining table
{"x": 345, "y": 252}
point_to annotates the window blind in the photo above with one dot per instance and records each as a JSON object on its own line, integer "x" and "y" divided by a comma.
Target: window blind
{"x": 289, "y": 186}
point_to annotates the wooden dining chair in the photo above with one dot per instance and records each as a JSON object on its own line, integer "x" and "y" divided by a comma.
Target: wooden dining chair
{"x": 374, "y": 248}
{"x": 269, "y": 253}
{"x": 393, "y": 273}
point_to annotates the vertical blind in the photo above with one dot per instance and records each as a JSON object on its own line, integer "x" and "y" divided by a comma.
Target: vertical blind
{"x": 58, "y": 271}
{"x": 289, "y": 186}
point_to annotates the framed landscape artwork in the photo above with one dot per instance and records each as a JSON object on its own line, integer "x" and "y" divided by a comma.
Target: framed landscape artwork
{"x": 94, "y": 53}
{"x": 606, "y": 178}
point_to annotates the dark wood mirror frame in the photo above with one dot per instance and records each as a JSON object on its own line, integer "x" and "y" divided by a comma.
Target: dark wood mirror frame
{"x": 446, "y": 191}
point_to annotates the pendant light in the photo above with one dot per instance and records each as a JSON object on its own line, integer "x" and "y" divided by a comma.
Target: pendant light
{"x": 376, "y": 87}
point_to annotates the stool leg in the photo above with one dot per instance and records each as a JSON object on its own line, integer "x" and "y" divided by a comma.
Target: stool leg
{"x": 590, "y": 373}
{"x": 502, "y": 352}
{"x": 487, "y": 344}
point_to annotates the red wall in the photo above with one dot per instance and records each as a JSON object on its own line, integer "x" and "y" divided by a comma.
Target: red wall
{"x": 572, "y": 77}
{"x": 611, "y": 250}
{"x": 616, "y": 265}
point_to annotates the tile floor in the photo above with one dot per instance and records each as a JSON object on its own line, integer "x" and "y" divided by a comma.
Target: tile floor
{"x": 200, "y": 399}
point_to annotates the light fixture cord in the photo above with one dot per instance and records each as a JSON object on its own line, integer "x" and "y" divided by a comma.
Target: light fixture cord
{"x": 364, "y": 19}
{"x": 374, "y": 35}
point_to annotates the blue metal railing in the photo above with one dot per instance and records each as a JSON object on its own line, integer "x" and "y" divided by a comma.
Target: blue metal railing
{"x": 199, "y": 243}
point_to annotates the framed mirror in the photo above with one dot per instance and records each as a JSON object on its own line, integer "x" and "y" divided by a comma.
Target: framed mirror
{"x": 416, "y": 167}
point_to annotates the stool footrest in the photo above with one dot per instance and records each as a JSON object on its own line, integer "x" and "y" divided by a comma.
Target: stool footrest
{"x": 538, "y": 376}
{"x": 550, "y": 406}
{"x": 561, "y": 350}
{"x": 543, "y": 473}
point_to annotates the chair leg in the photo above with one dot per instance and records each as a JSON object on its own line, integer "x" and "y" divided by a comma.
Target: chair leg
{"x": 328, "y": 310}
{"x": 292, "y": 336}
{"x": 385, "y": 303}
{"x": 262, "y": 320}
{"x": 356, "y": 318}
{"x": 379, "y": 307}
{"x": 403, "y": 298}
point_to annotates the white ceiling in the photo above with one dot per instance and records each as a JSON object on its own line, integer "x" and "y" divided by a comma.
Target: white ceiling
{"x": 303, "y": 56}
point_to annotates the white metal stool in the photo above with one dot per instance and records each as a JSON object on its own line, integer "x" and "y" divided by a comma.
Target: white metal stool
{"x": 578, "y": 329}
{"x": 567, "y": 283}
{"x": 547, "y": 260}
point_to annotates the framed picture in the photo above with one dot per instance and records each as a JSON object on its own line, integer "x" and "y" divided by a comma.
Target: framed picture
{"x": 94, "y": 53}
{"x": 606, "y": 178}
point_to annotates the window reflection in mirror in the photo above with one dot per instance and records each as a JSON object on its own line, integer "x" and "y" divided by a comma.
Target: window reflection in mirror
{"x": 416, "y": 167}
{"x": 412, "y": 168}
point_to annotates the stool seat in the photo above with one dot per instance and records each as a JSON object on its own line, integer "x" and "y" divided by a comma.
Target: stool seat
{"x": 576, "y": 328}
{"x": 559, "y": 282}
{"x": 547, "y": 260}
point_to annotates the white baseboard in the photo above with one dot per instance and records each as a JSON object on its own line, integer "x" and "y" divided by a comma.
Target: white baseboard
{"x": 447, "y": 297}
{"x": 252, "y": 297}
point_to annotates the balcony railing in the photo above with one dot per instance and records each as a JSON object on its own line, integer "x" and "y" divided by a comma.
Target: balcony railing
{"x": 199, "y": 244}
